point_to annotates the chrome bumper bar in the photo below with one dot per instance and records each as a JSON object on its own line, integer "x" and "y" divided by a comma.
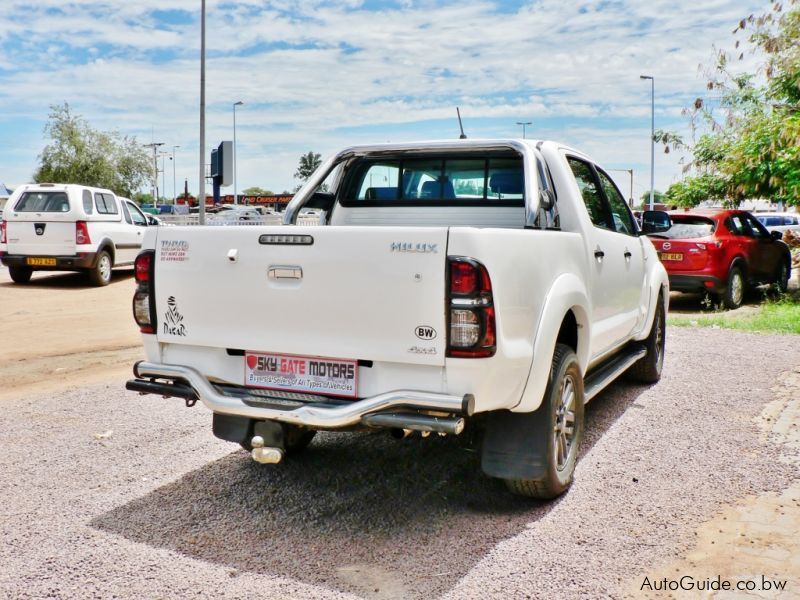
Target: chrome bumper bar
{"x": 310, "y": 415}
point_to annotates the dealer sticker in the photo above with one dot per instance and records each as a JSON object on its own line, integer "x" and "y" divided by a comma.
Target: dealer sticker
{"x": 311, "y": 374}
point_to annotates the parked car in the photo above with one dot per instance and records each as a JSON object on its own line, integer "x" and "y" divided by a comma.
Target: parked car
{"x": 65, "y": 227}
{"x": 721, "y": 252}
{"x": 779, "y": 221}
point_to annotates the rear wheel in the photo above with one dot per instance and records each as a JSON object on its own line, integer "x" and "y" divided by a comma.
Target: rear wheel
{"x": 100, "y": 274}
{"x": 734, "y": 293}
{"x": 562, "y": 408}
{"x": 648, "y": 368}
{"x": 782, "y": 278}
{"x": 20, "y": 274}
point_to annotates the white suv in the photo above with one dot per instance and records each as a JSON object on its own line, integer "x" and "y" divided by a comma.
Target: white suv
{"x": 66, "y": 227}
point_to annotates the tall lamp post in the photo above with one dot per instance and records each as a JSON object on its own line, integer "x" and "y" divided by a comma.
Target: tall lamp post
{"x": 630, "y": 173}
{"x": 155, "y": 146}
{"x": 652, "y": 135}
{"x": 174, "y": 191}
{"x": 235, "y": 195}
{"x": 523, "y": 123}
{"x": 201, "y": 188}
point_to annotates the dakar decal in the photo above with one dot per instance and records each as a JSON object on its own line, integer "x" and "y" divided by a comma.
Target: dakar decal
{"x": 173, "y": 320}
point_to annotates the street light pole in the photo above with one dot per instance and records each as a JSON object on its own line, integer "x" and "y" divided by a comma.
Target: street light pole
{"x": 174, "y": 191}
{"x": 155, "y": 146}
{"x": 523, "y": 123}
{"x": 652, "y": 135}
{"x": 630, "y": 173}
{"x": 201, "y": 188}
{"x": 235, "y": 195}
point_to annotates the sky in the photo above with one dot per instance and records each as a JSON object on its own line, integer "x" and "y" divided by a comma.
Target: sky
{"x": 322, "y": 75}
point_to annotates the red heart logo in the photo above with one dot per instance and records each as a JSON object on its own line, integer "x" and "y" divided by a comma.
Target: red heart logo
{"x": 252, "y": 361}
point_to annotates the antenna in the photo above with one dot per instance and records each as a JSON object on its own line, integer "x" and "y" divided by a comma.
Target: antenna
{"x": 463, "y": 136}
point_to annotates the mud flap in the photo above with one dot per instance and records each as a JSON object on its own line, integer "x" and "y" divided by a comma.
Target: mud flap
{"x": 232, "y": 428}
{"x": 515, "y": 444}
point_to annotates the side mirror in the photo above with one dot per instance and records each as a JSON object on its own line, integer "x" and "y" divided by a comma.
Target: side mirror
{"x": 776, "y": 235}
{"x": 655, "y": 221}
{"x": 321, "y": 200}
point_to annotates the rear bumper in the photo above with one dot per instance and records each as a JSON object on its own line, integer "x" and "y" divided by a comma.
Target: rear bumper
{"x": 696, "y": 283}
{"x": 84, "y": 260}
{"x": 392, "y": 409}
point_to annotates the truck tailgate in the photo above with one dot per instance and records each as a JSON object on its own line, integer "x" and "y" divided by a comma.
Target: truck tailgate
{"x": 343, "y": 292}
{"x": 46, "y": 234}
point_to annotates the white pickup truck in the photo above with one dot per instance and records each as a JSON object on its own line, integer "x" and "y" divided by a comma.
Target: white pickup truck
{"x": 499, "y": 284}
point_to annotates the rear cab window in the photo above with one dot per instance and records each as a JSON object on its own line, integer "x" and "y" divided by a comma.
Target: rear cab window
{"x": 51, "y": 202}
{"x": 435, "y": 181}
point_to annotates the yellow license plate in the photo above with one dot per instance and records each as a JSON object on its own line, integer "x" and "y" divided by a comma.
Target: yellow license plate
{"x": 671, "y": 256}
{"x": 40, "y": 262}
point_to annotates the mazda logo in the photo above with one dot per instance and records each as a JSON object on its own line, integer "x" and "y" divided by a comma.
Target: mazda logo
{"x": 666, "y": 246}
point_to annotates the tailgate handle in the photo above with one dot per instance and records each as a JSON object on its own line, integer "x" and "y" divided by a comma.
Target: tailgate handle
{"x": 285, "y": 272}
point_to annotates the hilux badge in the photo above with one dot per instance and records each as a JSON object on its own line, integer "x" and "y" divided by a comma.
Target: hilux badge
{"x": 422, "y": 247}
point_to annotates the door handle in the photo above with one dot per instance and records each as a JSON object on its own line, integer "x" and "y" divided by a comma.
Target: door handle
{"x": 599, "y": 253}
{"x": 628, "y": 254}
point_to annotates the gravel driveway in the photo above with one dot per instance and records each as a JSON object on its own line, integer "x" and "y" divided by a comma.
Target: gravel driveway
{"x": 108, "y": 494}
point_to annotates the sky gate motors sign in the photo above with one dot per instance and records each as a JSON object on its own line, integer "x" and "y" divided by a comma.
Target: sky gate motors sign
{"x": 313, "y": 374}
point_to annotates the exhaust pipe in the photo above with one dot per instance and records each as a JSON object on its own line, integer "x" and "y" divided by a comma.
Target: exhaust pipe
{"x": 414, "y": 422}
{"x": 265, "y": 456}
{"x": 400, "y": 434}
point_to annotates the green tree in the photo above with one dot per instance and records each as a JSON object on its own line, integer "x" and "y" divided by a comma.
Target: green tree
{"x": 746, "y": 143}
{"x": 658, "y": 198}
{"x": 79, "y": 154}
{"x": 309, "y": 163}
{"x": 256, "y": 191}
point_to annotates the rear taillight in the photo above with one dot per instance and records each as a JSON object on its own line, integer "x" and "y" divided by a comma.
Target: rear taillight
{"x": 144, "y": 310}
{"x": 2, "y": 232}
{"x": 82, "y": 233}
{"x": 472, "y": 323}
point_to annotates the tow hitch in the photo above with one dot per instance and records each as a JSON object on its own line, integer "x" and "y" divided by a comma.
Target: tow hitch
{"x": 265, "y": 455}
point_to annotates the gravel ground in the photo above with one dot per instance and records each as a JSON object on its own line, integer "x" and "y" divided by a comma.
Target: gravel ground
{"x": 108, "y": 494}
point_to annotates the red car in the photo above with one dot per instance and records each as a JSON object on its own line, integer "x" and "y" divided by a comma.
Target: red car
{"x": 721, "y": 252}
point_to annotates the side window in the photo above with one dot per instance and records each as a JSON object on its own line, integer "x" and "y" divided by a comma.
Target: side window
{"x": 126, "y": 213}
{"x": 623, "y": 220}
{"x": 88, "y": 206}
{"x": 756, "y": 229}
{"x": 736, "y": 225}
{"x": 105, "y": 204}
{"x": 137, "y": 215}
{"x": 591, "y": 194}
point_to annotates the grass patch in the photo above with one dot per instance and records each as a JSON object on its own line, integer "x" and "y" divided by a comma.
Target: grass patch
{"x": 782, "y": 316}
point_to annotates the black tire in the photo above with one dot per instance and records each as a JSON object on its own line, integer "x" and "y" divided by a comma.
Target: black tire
{"x": 734, "y": 292}
{"x": 295, "y": 439}
{"x": 100, "y": 274}
{"x": 782, "y": 276}
{"x": 648, "y": 368}
{"x": 20, "y": 274}
{"x": 561, "y": 450}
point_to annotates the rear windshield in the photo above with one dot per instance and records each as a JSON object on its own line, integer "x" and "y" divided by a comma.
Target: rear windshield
{"x": 688, "y": 227}
{"x": 43, "y": 202}
{"x": 435, "y": 181}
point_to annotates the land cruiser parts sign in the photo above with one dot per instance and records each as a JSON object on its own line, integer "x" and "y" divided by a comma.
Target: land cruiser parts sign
{"x": 311, "y": 374}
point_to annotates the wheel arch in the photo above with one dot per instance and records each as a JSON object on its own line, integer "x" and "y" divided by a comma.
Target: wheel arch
{"x": 107, "y": 245}
{"x": 565, "y": 317}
